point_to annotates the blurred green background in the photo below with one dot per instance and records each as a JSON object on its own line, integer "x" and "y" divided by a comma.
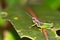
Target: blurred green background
{"x": 46, "y": 10}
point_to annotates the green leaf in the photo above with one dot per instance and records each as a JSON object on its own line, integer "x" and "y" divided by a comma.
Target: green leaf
{"x": 22, "y": 21}
{"x": 10, "y": 33}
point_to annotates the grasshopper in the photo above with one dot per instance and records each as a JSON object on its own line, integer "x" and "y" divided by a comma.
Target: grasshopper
{"x": 36, "y": 21}
{"x": 40, "y": 24}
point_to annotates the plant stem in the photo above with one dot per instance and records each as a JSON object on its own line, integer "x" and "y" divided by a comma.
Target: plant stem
{"x": 45, "y": 33}
{"x": 33, "y": 15}
{"x": 4, "y": 5}
{"x": 31, "y": 11}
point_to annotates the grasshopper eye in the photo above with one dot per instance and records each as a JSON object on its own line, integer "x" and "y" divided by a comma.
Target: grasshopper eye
{"x": 33, "y": 18}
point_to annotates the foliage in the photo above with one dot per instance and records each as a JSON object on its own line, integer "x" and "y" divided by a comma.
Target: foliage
{"x": 22, "y": 20}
